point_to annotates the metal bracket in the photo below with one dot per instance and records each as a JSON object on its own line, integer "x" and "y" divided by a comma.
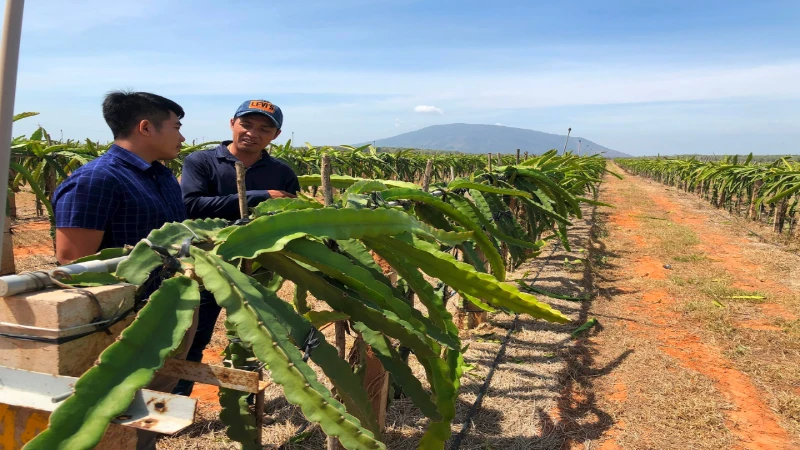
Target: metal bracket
{"x": 150, "y": 410}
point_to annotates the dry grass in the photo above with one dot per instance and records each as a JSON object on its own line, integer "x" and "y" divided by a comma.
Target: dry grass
{"x": 674, "y": 408}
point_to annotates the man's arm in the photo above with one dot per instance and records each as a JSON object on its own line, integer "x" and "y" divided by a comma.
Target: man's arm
{"x": 74, "y": 243}
{"x": 201, "y": 205}
{"x": 83, "y": 205}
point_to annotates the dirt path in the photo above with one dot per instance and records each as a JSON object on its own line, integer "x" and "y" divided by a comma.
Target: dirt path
{"x": 710, "y": 317}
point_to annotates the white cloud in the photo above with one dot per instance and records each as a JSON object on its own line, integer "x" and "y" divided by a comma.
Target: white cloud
{"x": 428, "y": 109}
{"x": 398, "y": 123}
{"x": 499, "y": 124}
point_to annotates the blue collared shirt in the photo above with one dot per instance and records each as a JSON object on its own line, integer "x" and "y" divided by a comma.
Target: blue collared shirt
{"x": 121, "y": 194}
{"x": 208, "y": 181}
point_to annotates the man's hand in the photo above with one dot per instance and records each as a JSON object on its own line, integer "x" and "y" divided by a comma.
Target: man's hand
{"x": 74, "y": 243}
{"x": 280, "y": 194}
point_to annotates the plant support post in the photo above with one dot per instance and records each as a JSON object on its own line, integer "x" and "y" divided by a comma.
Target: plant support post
{"x": 242, "y": 190}
{"x": 426, "y": 180}
{"x": 332, "y": 442}
{"x": 569, "y": 130}
{"x": 9, "y": 62}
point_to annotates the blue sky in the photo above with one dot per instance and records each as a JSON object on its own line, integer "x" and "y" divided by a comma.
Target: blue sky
{"x": 637, "y": 76}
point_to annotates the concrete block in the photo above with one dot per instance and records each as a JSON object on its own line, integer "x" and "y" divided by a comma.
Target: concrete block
{"x": 60, "y": 313}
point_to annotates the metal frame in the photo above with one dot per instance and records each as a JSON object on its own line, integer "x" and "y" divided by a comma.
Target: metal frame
{"x": 150, "y": 410}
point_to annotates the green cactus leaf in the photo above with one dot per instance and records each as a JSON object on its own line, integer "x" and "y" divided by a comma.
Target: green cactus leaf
{"x": 493, "y": 230}
{"x": 463, "y": 278}
{"x": 235, "y": 411}
{"x": 271, "y": 233}
{"x": 268, "y": 305}
{"x": 106, "y": 253}
{"x": 464, "y": 184}
{"x": 106, "y": 390}
{"x": 91, "y": 279}
{"x": 360, "y": 256}
{"x": 400, "y": 371}
{"x": 340, "y": 268}
{"x": 446, "y": 392}
{"x": 437, "y": 312}
{"x": 235, "y": 414}
{"x": 549, "y": 186}
{"x": 301, "y": 300}
{"x": 350, "y": 303}
{"x": 344, "y": 182}
{"x": 480, "y": 237}
{"x": 320, "y": 318}
{"x": 142, "y": 260}
{"x": 272, "y": 346}
{"x": 364, "y": 186}
{"x": 276, "y": 205}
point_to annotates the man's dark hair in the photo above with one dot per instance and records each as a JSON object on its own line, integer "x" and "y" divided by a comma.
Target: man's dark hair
{"x": 124, "y": 110}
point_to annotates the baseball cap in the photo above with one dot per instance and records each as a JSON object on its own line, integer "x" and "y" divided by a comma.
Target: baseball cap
{"x": 262, "y": 107}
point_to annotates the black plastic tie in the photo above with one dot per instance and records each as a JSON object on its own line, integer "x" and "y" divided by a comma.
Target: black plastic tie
{"x": 309, "y": 344}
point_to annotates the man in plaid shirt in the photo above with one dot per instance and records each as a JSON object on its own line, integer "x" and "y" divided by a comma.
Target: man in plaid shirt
{"x": 120, "y": 197}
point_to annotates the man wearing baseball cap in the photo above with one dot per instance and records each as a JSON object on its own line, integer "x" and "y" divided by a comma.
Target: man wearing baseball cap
{"x": 208, "y": 180}
{"x": 208, "y": 183}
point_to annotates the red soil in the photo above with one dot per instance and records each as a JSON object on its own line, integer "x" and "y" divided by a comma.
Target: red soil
{"x": 750, "y": 420}
{"x": 207, "y": 395}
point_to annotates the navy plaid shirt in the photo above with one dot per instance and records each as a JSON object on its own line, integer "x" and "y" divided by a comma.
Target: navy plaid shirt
{"x": 121, "y": 194}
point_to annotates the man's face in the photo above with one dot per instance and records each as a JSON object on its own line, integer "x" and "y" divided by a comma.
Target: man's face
{"x": 253, "y": 132}
{"x": 166, "y": 140}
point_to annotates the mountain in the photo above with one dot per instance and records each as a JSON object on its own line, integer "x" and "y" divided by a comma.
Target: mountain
{"x": 471, "y": 138}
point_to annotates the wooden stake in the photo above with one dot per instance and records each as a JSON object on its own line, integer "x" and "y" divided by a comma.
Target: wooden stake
{"x": 327, "y": 189}
{"x": 780, "y": 215}
{"x": 499, "y": 159}
{"x": 247, "y": 268}
{"x": 240, "y": 187}
{"x": 7, "y": 266}
{"x": 332, "y": 443}
{"x": 489, "y": 160}
{"x": 452, "y": 173}
{"x": 526, "y": 156}
{"x": 517, "y": 156}
{"x": 426, "y": 180}
{"x": 752, "y": 212}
